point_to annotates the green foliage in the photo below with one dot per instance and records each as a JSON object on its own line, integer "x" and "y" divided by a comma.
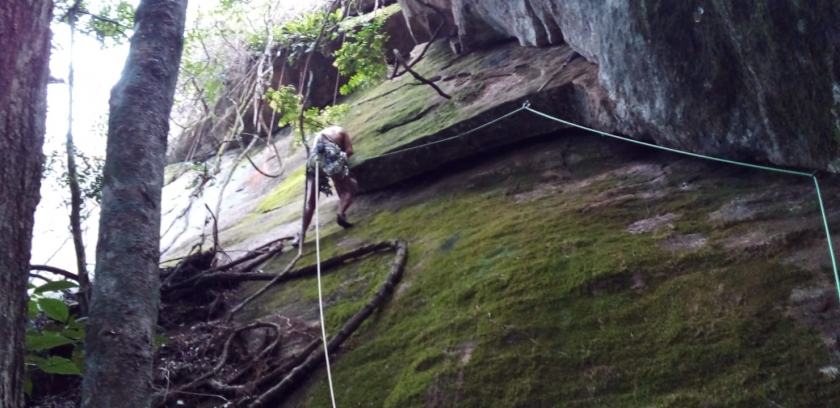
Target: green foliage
{"x": 110, "y": 24}
{"x": 205, "y": 72}
{"x": 316, "y": 119}
{"x": 299, "y": 35}
{"x": 56, "y": 365}
{"x": 363, "y": 58}
{"x": 45, "y": 341}
{"x": 228, "y": 5}
{"x": 161, "y": 340}
{"x": 114, "y": 21}
{"x": 286, "y": 102}
{"x": 54, "y": 308}
{"x": 63, "y": 330}
{"x": 55, "y": 286}
{"x": 88, "y": 174}
{"x": 201, "y": 172}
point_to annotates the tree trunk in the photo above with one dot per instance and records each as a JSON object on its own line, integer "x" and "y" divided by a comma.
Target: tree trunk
{"x": 73, "y": 182}
{"x": 124, "y": 302}
{"x": 24, "y": 64}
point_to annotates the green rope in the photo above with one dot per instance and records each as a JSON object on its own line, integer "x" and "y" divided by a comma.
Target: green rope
{"x": 627, "y": 139}
{"x": 455, "y": 137}
{"x": 527, "y": 107}
{"x": 827, "y": 234}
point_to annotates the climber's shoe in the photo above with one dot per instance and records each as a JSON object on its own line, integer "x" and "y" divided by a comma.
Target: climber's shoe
{"x": 343, "y": 222}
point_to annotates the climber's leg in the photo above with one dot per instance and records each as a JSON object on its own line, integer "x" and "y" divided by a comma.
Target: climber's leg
{"x": 344, "y": 188}
{"x": 308, "y": 208}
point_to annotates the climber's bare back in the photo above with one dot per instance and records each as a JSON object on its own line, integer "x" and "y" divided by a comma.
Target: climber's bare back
{"x": 340, "y": 137}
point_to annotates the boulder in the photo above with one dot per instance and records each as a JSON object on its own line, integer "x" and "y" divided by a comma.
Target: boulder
{"x": 484, "y": 86}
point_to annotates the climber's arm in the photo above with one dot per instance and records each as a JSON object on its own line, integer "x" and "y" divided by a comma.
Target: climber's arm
{"x": 348, "y": 146}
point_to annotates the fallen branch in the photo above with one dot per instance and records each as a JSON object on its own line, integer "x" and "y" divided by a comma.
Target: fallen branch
{"x": 418, "y": 76}
{"x": 272, "y": 243}
{"x": 186, "y": 260}
{"x": 57, "y": 271}
{"x": 396, "y": 73}
{"x": 258, "y": 258}
{"x": 204, "y": 378}
{"x": 225, "y": 386}
{"x": 326, "y": 265}
{"x": 212, "y": 278}
{"x": 301, "y": 372}
{"x": 258, "y": 169}
{"x": 216, "y": 246}
{"x": 264, "y": 288}
{"x": 281, "y": 371}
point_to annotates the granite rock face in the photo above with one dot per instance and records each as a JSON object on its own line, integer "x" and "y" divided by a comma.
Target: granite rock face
{"x": 749, "y": 80}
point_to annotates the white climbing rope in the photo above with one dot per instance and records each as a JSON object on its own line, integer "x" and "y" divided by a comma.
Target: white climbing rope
{"x": 320, "y": 295}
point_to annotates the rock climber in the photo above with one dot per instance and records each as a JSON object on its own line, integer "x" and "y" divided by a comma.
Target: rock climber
{"x": 330, "y": 149}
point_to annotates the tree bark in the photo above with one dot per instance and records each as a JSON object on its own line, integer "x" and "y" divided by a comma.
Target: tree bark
{"x": 24, "y": 64}
{"x": 73, "y": 182}
{"x": 126, "y": 290}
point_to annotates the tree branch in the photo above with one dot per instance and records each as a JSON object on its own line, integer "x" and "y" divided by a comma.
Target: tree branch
{"x": 72, "y": 10}
{"x": 258, "y": 169}
{"x": 105, "y": 20}
{"x": 57, "y": 271}
{"x": 417, "y": 76}
{"x": 36, "y": 276}
{"x": 396, "y": 73}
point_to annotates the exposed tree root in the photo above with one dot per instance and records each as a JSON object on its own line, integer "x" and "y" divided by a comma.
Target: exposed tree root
{"x": 302, "y": 372}
{"x": 265, "y": 288}
{"x": 190, "y": 370}
{"x": 287, "y": 274}
{"x": 223, "y": 360}
{"x": 258, "y": 257}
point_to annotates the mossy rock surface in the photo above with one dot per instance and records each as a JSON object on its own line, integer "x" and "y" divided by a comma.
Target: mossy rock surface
{"x": 484, "y": 86}
{"x": 525, "y": 287}
{"x": 544, "y": 271}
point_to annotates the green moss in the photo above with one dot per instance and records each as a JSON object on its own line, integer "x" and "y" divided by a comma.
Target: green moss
{"x": 384, "y": 12}
{"x": 380, "y": 122}
{"x": 541, "y": 291}
{"x": 290, "y": 189}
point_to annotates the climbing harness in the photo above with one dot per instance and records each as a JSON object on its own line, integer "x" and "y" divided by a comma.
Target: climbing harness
{"x": 320, "y": 295}
{"x": 527, "y": 107}
{"x": 333, "y": 160}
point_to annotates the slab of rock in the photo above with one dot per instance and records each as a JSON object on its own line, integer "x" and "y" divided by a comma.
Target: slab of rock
{"x": 684, "y": 243}
{"x": 653, "y": 224}
{"x": 402, "y": 114}
{"x": 731, "y": 79}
